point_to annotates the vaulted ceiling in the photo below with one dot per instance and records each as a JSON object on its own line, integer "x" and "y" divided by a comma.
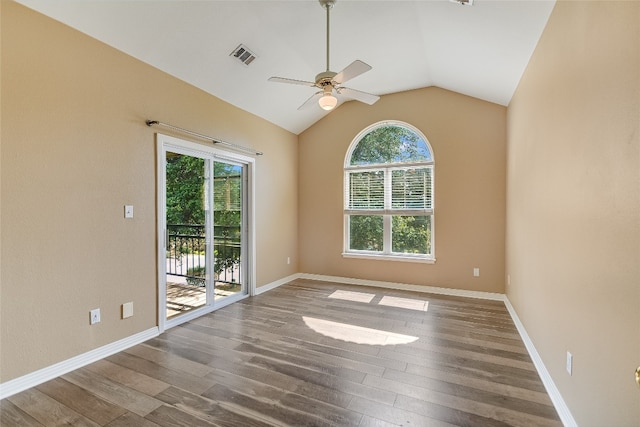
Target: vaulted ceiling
{"x": 479, "y": 50}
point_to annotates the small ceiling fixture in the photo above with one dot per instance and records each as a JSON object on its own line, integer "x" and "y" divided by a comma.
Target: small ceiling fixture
{"x": 329, "y": 81}
{"x": 243, "y": 54}
{"x": 463, "y": 2}
{"x": 327, "y": 101}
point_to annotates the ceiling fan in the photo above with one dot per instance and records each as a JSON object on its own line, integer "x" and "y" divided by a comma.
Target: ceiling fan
{"x": 329, "y": 81}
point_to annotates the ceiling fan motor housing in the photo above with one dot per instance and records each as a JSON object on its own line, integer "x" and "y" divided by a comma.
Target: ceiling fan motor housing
{"x": 325, "y": 78}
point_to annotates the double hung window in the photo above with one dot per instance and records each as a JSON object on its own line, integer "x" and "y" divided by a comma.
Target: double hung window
{"x": 388, "y": 194}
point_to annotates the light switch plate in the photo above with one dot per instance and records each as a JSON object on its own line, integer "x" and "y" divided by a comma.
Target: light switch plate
{"x": 128, "y": 211}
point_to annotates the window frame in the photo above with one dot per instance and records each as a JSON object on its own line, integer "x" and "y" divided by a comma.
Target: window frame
{"x": 387, "y": 212}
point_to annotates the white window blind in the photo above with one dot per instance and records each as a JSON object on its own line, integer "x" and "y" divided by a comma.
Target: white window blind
{"x": 390, "y": 190}
{"x": 411, "y": 188}
{"x": 366, "y": 190}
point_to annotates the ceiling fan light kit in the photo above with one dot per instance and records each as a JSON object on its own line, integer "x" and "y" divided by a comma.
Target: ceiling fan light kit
{"x": 329, "y": 82}
{"x": 328, "y": 102}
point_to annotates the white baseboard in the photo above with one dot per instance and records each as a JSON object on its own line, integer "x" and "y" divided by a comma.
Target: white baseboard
{"x": 40, "y": 376}
{"x": 264, "y": 288}
{"x": 558, "y": 402}
{"x": 406, "y": 287}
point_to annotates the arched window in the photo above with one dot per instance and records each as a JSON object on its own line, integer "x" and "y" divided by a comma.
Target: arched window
{"x": 388, "y": 194}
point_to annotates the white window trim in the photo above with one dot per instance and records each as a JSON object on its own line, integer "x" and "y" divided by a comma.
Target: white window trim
{"x": 387, "y": 213}
{"x": 386, "y": 257}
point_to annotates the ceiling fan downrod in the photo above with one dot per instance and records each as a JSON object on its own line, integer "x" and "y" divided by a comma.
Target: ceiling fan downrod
{"x": 328, "y": 5}
{"x": 325, "y": 78}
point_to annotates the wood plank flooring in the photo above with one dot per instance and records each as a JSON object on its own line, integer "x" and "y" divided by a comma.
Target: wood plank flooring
{"x": 309, "y": 353}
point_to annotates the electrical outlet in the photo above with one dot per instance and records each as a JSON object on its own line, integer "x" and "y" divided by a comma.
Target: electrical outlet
{"x": 94, "y": 316}
{"x": 127, "y": 309}
{"x": 476, "y": 272}
{"x": 569, "y": 363}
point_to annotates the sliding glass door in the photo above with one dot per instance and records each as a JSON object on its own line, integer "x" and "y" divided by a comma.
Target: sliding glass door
{"x": 204, "y": 246}
{"x": 228, "y": 229}
{"x": 187, "y": 189}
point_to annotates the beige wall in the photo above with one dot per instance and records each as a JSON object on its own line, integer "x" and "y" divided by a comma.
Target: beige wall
{"x": 1, "y": 3}
{"x": 469, "y": 143}
{"x": 573, "y": 211}
{"x": 75, "y": 150}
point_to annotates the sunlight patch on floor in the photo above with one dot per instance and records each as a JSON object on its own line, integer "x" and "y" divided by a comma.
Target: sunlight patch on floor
{"x": 356, "y": 334}
{"x": 352, "y": 296}
{"x": 389, "y": 301}
{"x": 408, "y": 303}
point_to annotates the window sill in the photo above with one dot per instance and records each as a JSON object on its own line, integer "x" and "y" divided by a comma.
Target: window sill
{"x": 386, "y": 257}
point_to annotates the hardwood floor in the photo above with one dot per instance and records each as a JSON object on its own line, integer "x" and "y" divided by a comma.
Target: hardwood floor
{"x": 309, "y": 353}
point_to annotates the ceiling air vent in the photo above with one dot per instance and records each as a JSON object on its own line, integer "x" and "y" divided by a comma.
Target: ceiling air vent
{"x": 243, "y": 54}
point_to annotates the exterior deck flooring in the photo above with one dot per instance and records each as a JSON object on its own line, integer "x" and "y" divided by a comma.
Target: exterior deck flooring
{"x": 182, "y": 297}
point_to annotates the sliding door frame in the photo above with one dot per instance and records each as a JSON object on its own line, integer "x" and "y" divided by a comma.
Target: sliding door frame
{"x": 164, "y": 144}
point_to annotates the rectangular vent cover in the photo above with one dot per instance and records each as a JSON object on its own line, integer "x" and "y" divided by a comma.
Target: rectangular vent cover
{"x": 243, "y": 54}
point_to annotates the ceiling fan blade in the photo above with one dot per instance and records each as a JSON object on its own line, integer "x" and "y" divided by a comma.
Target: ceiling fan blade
{"x": 354, "y": 69}
{"x": 312, "y": 100}
{"x": 291, "y": 81}
{"x": 365, "y": 97}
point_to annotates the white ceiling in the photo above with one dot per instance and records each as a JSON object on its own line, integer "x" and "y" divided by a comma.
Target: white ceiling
{"x": 480, "y": 50}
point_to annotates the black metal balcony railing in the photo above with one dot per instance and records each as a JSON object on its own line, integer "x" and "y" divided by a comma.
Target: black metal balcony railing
{"x": 186, "y": 253}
